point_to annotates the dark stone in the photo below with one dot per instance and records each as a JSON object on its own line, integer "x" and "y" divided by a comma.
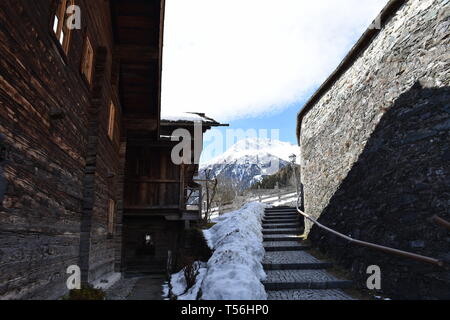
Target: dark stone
{"x": 417, "y": 244}
{"x": 407, "y": 199}
{"x": 445, "y": 126}
{"x": 419, "y": 135}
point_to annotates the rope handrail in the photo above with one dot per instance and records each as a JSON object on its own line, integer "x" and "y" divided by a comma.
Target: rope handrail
{"x": 398, "y": 252}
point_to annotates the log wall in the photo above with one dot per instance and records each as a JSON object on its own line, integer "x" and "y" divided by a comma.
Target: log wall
{"x": 60, "y": 157}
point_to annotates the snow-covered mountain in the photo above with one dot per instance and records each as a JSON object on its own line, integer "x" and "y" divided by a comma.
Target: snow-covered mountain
{"x": 249, "y": 160}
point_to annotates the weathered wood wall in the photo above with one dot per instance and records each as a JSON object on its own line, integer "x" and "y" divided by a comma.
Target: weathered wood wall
{"x": 63, "y": 169}
{"x": 43, "y": 206}
{"x": 152, "y": 180}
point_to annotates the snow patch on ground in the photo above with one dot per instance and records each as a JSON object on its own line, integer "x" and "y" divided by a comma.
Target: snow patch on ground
{"x": 107, "y": 281}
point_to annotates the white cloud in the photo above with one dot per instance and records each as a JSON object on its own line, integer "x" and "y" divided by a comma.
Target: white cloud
{"x": 237, "y": 58}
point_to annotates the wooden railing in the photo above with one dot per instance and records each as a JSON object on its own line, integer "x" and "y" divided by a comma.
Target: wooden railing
{"x": 268, "y": 196}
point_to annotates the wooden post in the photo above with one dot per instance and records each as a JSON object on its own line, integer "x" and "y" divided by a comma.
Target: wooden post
{"x": 200, "y": 202}
{"x": 182, "y": 186}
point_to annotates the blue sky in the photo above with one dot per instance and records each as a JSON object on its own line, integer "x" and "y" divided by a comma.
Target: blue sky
{"x": 254, "y": 63}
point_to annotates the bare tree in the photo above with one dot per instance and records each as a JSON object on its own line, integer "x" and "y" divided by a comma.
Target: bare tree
{"x": 210, "y": 190}
{"x": 226, "y": 192}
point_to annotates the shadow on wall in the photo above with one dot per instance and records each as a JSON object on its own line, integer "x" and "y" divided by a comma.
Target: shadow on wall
{"x": 400, "y": 180}
{"x": 3, "y": 162}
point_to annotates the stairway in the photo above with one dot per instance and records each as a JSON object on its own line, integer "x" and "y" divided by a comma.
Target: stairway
{"x": 292, "y": 273}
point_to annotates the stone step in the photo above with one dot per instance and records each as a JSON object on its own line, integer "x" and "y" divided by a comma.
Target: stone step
{"x": 281, "y": 217}
{"x": 283, "y": 231}
{"x": 278, "y": 237}
{"x": 286, "y": 213}
{"x": 280, "y": 225}
{"x": 292, "y": 260}
{"x": 297, "y": 266}
{"x": 280, "y": 209}
{"x": 308, "y": 294}
{"x": 303, "y": 279}
{"x": 291, "y": 220}
{"x": 280, "y": 212}
{"x": 285, "y": 246}
{"x": 289, "y": 257}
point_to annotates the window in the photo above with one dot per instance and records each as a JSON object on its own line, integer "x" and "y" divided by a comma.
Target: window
{"x": 63, "y": 34}
{"x": 111, "y": 215}
{"x": 112, "y": 120}
{"x": 88, "y": 60}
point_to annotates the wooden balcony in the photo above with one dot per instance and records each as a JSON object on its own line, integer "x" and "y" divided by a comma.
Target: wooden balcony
{"x": 163, "y": 197}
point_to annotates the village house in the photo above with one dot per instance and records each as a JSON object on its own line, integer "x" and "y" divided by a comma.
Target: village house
{"x": 86, "y": 172}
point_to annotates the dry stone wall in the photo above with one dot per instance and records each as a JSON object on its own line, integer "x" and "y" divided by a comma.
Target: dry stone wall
{"x": 375, "y": 152}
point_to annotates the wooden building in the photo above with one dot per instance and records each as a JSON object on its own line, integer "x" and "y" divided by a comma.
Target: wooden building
{"x": 85, "y": 163}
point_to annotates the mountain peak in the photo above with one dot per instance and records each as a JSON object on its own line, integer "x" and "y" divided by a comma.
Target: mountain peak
{"x": 251, "y": 159}
{"x": 255, "y": 147}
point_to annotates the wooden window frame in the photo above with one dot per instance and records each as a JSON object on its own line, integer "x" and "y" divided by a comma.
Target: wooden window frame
{"x": 112, "y": 116}
{"x": 59, "y": 26}
{"x": 111, "y": 217}
{"x": 87, "y": 62}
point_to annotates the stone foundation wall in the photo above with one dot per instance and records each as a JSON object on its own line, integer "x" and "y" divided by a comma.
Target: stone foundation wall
{"x": 375, "y": 153}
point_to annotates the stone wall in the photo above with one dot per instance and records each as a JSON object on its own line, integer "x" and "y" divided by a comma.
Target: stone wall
{"x": 375, "y": 153}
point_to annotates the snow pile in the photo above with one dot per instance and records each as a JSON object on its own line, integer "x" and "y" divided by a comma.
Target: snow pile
{"x": 235, "y": 272}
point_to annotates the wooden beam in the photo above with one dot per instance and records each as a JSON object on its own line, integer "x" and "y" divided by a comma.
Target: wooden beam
{"x": 137, "y": 53}
{"x": 140, "y": 124}
{"x": 181, "y": 186}
{"x": 156, "y": 181}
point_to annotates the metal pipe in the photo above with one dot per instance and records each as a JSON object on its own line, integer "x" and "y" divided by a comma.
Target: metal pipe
{"x": 414, "y": 256}
{"x": 439, "y": 221}
{"x": 398, "y": 252}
